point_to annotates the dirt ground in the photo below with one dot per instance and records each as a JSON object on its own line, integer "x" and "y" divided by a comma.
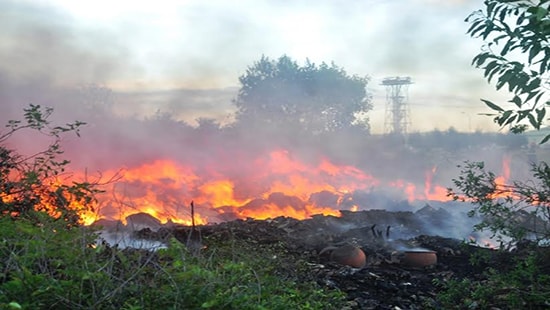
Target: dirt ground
{"x": 385, "y": 279}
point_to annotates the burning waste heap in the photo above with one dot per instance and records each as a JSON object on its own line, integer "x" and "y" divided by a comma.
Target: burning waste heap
{"x": 384, "y": 243}
{"x": 268, "y": 186}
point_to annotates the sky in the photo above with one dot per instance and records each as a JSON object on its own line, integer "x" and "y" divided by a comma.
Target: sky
{"x": 184, "y": 57}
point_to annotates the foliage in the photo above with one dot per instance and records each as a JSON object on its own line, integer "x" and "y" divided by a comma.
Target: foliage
{"x": 44, "y": 266}
{"x": 30, "y": 184}
{"x": 510, "y": 212}
{"x": 517, "y": 53}
{"x": 524, "y": 286}
{"x": 280, "y": 94}
{"x": 50, "y": 267}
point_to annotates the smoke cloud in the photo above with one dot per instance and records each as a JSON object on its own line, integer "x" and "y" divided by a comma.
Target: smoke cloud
{"x": 150, "y": 105}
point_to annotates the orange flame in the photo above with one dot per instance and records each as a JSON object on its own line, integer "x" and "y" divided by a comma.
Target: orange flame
{"x": 434, "y": 192}
{"x": 501, "y": 181}
{"x": 273, "y": 185}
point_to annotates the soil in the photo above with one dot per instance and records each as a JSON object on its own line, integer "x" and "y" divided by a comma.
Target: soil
{"x": 385, "y": 282}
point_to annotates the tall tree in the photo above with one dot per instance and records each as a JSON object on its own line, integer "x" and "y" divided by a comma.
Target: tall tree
{"x": 517, "y": 53}
{"x": 312, "y": 98}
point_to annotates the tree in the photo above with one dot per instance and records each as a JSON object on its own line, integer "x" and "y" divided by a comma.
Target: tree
{"x": 517, "y": 52}
{"x": 316, "y": 99}
{"x": 29, "y": 187}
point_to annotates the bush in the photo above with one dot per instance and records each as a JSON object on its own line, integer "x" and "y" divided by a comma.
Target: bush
{"x": 524, "y": 286}
{"x": 511, "y": 212}
{"x": 29, "y": 183}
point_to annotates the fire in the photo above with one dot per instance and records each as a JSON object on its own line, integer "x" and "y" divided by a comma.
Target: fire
{"x": 48, "y": 199}
{"x": 501, "y": 181}
{"x": 431, "y": 191}
{"x": 485, "y": 242}
{"x": 281, "y": 186}
{"x": 274, "y": 184}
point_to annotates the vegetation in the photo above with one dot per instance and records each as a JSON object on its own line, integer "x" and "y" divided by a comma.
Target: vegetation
{"x": 512, "y": 212}
{"x": 518, "y": 216}
{"x": 49, "y": 267}
{"x": 281, "y": 94}
{"x": 49, "y": 261}
{"x": 29, "y": 184}
{"x": 515, "y": 29}
{"x": 517, "y": 53}
{"x": 524, "y": 286}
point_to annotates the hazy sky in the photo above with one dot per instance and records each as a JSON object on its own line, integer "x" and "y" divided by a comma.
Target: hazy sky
{"x": 173, "y": 48}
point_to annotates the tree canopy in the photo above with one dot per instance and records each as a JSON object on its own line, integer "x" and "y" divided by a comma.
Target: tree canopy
{"x": 517, "y": 52}
{"x": 312, "y": 98}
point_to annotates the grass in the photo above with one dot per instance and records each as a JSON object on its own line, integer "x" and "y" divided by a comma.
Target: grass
{"x": 48, "y": 266}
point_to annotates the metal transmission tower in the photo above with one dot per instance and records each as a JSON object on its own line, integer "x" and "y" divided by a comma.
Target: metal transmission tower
{"x": 397, "y": 111}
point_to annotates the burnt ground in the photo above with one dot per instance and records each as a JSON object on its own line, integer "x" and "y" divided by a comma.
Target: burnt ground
{"x": 385, "y": 282}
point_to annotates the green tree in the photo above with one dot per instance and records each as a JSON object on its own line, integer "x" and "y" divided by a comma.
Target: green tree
{"x": 29, "y": 184}
{"x": 282, "y": 94}
{"x": 517, "y": 53}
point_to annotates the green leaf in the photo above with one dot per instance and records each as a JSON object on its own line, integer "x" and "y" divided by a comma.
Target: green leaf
{"x": 502, "y": 119}
{"x": 517, "y": 101}
{"x": 541, "y": 13}
{"x": 503, "y": 79}
{"x": 533, "y": 121}
{"x": 498, "y": 38}
{"x": 510, "y": 120}
{"x": 540, "y": 115}
{"x": 531, "y": 95}
{"x": 478, "y": 60}
{"x": 535, "y": 83}
{"x": 474, "y": 25}
{"x": 490, "y": 69}
{"x": 545, "y": 139}
{"x": 489, "y": 26}
{"x": 533, "y": 52}
{"x": 490, "y": 8}
{"x": 14, "y": 305}
{"x": 506, "y": 47}
{"x": 492, "y": 105}
{"x": 478, "y": 29}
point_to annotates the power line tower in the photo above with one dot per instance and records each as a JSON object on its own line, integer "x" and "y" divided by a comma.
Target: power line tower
{"x": 397, "y": 110}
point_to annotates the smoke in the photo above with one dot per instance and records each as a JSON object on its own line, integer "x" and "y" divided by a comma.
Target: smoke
{"x": 40, "y": 43}
{"x": 161, "y": 137}
{"x": 154, "y": 56}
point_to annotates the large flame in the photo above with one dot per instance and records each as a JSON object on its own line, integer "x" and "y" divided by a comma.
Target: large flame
{"x": 272, "y": 185}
